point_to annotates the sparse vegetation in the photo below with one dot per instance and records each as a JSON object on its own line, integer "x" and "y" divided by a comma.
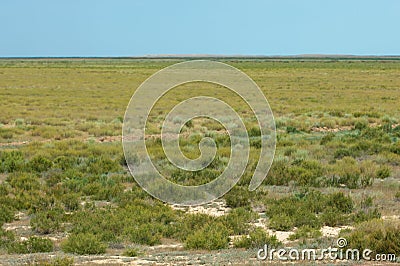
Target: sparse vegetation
{"x": 62, "y": 164}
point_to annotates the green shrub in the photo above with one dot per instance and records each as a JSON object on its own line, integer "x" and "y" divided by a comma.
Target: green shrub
{"x": 327, "y": 138}
{"x": 65, "y": 162}
{"x": 397, "y": 196}
{"x": 19, "y": 122}
{"x": 279, "y": 173}
{"x": 305, "y": 232}
{"x": 307, "y": 173}
{"x": 32, "y": 245}
{"x": 366, "y": 215}
{"x": 380, "y": 236}
{"x": 11, "y": 161}
{"x": 282, "y": 222}
{"x": 190, "y": 223}
{"x": 212, "y": 236}
{"x": 58, "y": 261}
{"x": 237, "y": 197}
{"x": 6, "y": 215}
{"x": 39, "y": 164}
{"x": 101, "y": 165}
{"x": 333, "y": 217}
{"x": 342, "y": 152}
{"x": 145, "y": 234}
{"x": 7, "y": 238}
{"x": 24, "y": 181}
{"x": 132, "y": 252}
{"x": 47, "y": 221}
{"x": 238, "y": 220}
{"x": 383, "y": 172}
{"x": 257, "y": 238}
{"x": 83, "y": 244}
{"x": 306, "y": 217}
{"x": 354, "y": 175}
{"x": 38, "y": 244}
{"x": 290, "y": 129}
{"x": 71, "y": 201}
{"x": 360, "y": 125}
{"x": 340, "y": 202}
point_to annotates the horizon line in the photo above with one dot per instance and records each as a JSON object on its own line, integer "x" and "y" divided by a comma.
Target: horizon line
{"x": 233, "y": 56}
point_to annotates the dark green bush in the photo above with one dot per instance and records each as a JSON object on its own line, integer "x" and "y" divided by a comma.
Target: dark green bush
{"x": 340, "y": 202}
{"x": 83, "y": 244}
{"x": 383, "y": 172}
{"x": 290, "y": 129}
{"x": 39, "y": 164}
{"x": 238, "y": 197}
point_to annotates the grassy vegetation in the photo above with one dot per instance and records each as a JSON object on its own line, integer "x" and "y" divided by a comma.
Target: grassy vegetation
{"x": 61, "y": 160}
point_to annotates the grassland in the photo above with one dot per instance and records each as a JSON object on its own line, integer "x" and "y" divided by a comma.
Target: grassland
{"x": 65, "y": 188}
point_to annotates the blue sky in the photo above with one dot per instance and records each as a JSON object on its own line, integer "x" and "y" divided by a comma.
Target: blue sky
{"x": 140, "y": 27}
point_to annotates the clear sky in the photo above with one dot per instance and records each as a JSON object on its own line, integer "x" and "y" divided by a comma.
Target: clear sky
{"x": 230, "y": 27}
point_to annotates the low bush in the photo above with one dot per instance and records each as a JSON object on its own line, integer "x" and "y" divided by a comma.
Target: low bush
{"x": 39, "y": 164}
{"x": 309, "y": 208}
{"x": 211, "y": 237}
{"x": 282, "y": 222}
{"x": 354, "y": 174}
{"x": 238, "y": 220}
{"x": 83, "y": 244}
{"x": 7, "y": 238}
{"x": 32, "y": 245}
{"x": 257, "y": 238}
{"x": 58, "y": 261}
{"x": 333, "y": 217}
{"x": 131, "y": 252}
{"x": 6, "y": 215}
{"x": 11, "y": 161}
{"x": 383, "y": 172}
{"x": 327, "y": 138}
{"x": 238, "y": 197}
{"x": 305, "y": 232}
{"x": 380, "y": 236}
{"x": 47, "y": 221}
{"x": 397, "y": 196}
{"x": 144, "y": 234}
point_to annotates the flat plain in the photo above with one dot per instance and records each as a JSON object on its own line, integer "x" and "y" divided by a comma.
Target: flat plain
{"x": 66, "y": 195}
